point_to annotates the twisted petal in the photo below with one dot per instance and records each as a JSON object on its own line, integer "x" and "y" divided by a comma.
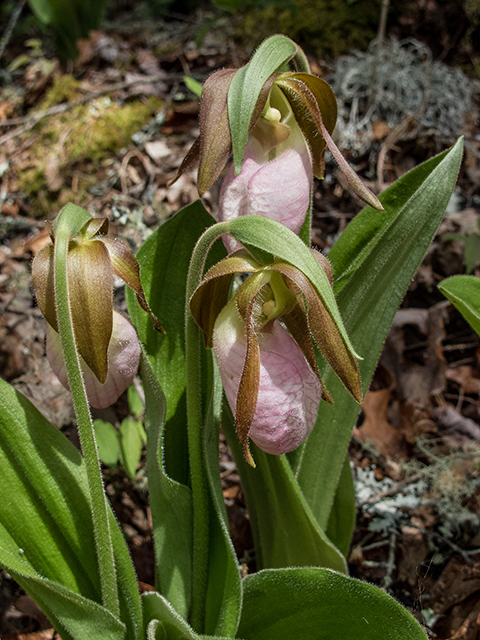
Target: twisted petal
{"x": 279, "y": 189}
{"x": 123, "y": 358}
{"x": 289, "y": 391}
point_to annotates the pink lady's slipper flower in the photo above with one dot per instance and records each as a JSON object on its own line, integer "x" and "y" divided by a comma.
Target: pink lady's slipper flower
{"x": 269, "y": 373}
{"x": 289, "y": 391}
{"x": 291, "y": 117}
{"x": 276, "y": 176}
{"x": 106, "y": 341}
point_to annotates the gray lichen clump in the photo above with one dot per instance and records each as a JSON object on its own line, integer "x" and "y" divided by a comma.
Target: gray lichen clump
{"x": 406, "y": 82}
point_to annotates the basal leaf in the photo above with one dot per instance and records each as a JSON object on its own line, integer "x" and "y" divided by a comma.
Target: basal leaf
{"x": 107, "y": 442}
{"x": 164, "y": 260}
{"x": 368, "y": 301}
{"x": 285, "y": 531}
{"x": 161, "y": 617}
{"x": 318, "y": 603}
{"x": 170, "y": 504}
{"x": 46, "y": 531}
{"x": 464, "y": 293}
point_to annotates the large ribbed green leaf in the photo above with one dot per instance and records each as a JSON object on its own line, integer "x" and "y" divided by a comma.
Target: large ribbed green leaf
{"x": 374, "y": 261}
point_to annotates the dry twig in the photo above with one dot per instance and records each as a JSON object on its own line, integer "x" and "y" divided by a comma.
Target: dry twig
{"x": 11, "y": 26}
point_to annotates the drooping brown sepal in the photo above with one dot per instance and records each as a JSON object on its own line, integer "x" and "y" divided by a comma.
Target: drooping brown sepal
{"x": 90, "y": 283}
{"x": 43, "y": 283}
{"x": 323, "y": 328}
{"x": 125, "y": 266}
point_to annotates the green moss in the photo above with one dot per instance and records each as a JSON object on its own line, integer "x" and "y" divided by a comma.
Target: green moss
{"x": 64, "y": 89}
{"x": 79, "y": 138}
{"x": 32, "y": 180}
{"x": 104, "y": 131}
{"x": 325, "y": 28}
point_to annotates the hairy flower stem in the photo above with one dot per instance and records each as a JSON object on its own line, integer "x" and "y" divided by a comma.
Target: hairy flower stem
{"x": 196, "y": 430}
{"x": 69, "y": 222}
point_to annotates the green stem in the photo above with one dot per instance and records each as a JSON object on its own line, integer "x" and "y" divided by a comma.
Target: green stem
{"x": 67, "y": 225}
{"x": 196, "y": 429}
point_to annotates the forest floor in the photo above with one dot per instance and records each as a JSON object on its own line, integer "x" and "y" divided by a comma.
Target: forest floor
{"x": 108, "y": 133}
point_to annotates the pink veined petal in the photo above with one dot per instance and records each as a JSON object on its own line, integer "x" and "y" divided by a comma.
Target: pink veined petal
{"x": 289, "y": 392}
{"x": 123, "y": 359}
{"x": 279, "y": 189}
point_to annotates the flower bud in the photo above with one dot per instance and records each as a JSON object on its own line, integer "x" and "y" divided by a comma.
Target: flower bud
{"x": 93, "y": 259}
{"x": 123, "y": 357}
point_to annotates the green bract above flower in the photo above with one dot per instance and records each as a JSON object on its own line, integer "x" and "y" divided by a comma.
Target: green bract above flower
{"x": 237, "y": 103}
{"x": 276, "y": 176}
{"x": 93, "y": 259}
{"x": 246, "y": 336}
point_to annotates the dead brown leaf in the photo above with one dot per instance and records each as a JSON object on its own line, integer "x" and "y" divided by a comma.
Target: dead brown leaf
{"x": 463, "y": 376}
{"x": 452, "y": 424}
{"x": 415, "y": 550}
{"x": 413, "y": 352}
{"x": 458, "y": 582}
{"x": 470, "y": 629}
{"x": 46, "y": 634}
{"x": 376, "y": 428}
{"x": 7, "y": 109}
{"x": 53, "y": 176}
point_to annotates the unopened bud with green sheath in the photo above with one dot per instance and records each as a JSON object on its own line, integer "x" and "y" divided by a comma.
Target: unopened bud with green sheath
{"x": 93, "y": 259}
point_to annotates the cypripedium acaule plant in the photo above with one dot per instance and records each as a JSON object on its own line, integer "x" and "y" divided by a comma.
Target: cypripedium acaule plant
{"x": 270, "y": 376}
{"x": 268, "y": 312}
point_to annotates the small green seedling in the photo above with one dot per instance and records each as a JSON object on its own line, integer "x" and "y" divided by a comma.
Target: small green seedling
{"x": 123, "y": 445}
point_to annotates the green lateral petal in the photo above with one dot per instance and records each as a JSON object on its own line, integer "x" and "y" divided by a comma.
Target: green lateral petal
{"x": 90, "y": 281}
{"x": 42, "y": 276}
